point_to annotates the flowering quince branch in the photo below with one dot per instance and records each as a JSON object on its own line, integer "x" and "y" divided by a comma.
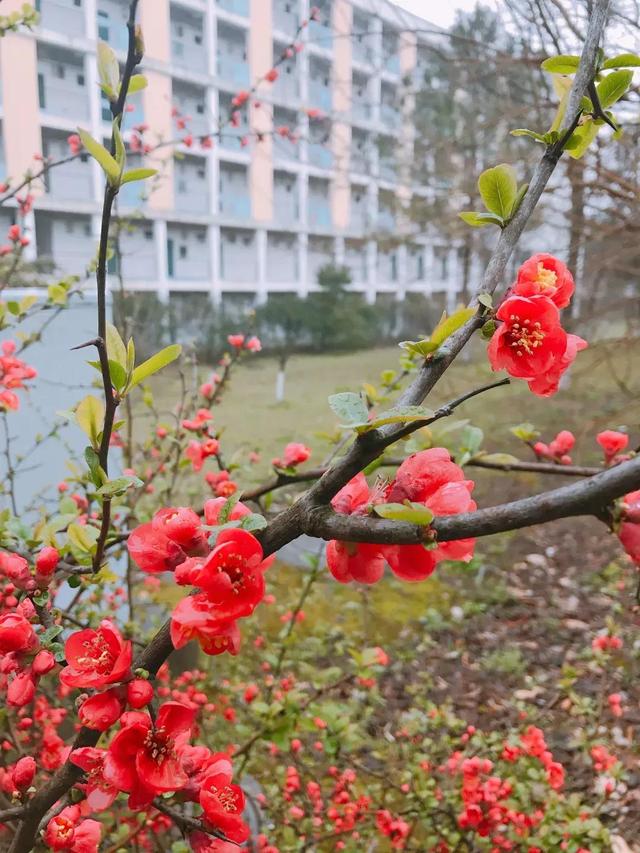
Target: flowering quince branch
{"x": 150, "y": 756}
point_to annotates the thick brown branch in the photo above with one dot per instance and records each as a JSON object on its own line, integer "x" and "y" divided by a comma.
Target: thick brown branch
{"x": 591, "y": 496}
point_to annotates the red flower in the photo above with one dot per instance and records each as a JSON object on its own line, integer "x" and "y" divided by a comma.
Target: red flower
{"x": 181, "y": 525}
{"x": 213, "y": 507}
{"x": 223, "y": 804}
{"x": 152, "y": 550}
{"x": 102, "y": 710}
{"x": 629, "y": 530}
{"x": 232, "y": 575}
{"x": 96, "y": 658}
{"x": 145, "y": 759}
{"x": 547, "y": 383}
{"x": 139, "y": 693}
{"x": 294, "y": 454}
{"x": 23, "y": 773}
{"x": 16, "y": 633}
{"x": 271, "y": 75}
{"x": 530, "y": 340}
{"x": 100, "y": 793}
{"x": 66, "y": 831}
{"x": 253, "y": 344}
{"x": 545, "y": 275}
{"x": 21, "y": 689}
{"x": 46, "y": 561}
{"x": 194, "y": 619}
{"x": 235, "y": 340}
{"x": 355, "y": 561}
{"x": 612, "y": 442}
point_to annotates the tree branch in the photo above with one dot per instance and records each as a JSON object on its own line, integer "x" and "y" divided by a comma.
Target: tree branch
{"x": 591, "y": 496}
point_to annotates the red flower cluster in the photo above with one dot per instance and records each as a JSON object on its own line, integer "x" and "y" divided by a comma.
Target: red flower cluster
{"x": 66, "y": 831}
{"x": 239, "y": 342}
{"x": 13, "y": 374}
{"x": 533, "y": 744}
{"x": 230, "y": 577}
{"x": 557, "y": 450}
{"x": 294, "y": 454}
{"x": 429, "y": 477}
{"x": 629, "y": 529}
{"x": 613, "y": 443}
{"x": 530, "y": 343}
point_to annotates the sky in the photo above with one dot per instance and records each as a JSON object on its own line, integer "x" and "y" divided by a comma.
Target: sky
{"x": 440, "y": 12}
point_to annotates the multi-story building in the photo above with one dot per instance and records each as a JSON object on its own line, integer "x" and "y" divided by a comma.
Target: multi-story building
{"x": 234, "y": 219}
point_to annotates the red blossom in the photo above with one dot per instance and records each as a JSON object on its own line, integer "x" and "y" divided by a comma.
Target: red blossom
{"x": 145, "y": 758}
{"x": 223, "y": 803}
{"x": 194, "y": 619}
{"x": 16, "y": 633}
{"x": 545, "y": 275}
{"x": 96, "y": 658}
{"x": 612, "y": 442}
{"x": 529, "y": 340}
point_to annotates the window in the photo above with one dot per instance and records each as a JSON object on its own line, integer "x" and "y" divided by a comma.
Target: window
{"x": 394, "y": 267}
{"x": 60, "y": 72}
{"x": 420, "y": 271}
{"x": 170, "y": 259}
{"x": 200, "y": 109}
{"x": 68, "y": 227}
{"x": 77, "y": 3}
{"x": 80, "y": 79}
{"x": 148, "y": 234}
{"x": 201, "y": 173}
{"x": 87, "y": 230}
{"x": 182, "y": 186}
{"x": 183, "y": 252}
{"x": 197, "y": 39}
{"x": 41, "y": 92}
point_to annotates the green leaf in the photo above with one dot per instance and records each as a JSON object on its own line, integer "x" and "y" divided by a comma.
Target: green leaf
{"x": 485, "y": 299}
{"x": 563, "y": 64}
{"x": 108, "y": 70}
{"x": 137, "y": 175}
{"x": 613, "y": 87}
{"x": 100, "y": 153}
{"x": 525, "y": 432}
{"x": 227, "y": 509}
{"x": 581, "y": 138}
{"x": 137, "y": 83}
{"x": 57, "y": 294}
{"x": 154, "y": 364}
{"x": 253, "y": 522}
{"x": 523, "y": 131}
{"x": 350, "y": 408}
{"x": 479, "y": 220}
{"x": 83, "y": 537}
{"x": 499, "y": 187}
{"x": 471, "y": 439}
{"x": 121, "y": 154}
{"x": 117, "y": 374}
{"x": 488, "y": 329}
{"x": 131, "y": 356}
{"x": 415, "y": 513}
{"x": 623, "y": 60}
{"x": 522, "y": 191}
{"x": 97, "y": 474}
{"x": 116, "y": 349}
{"x": 448, "y": 325}
{"x": 90, "y": 417}
{"x": 50, "y": 634}
{"x": 118, "y": 486}
{"x": 399, "y": 414}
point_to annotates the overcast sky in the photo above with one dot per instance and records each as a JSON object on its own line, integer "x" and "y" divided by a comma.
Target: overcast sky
{"x": 440, "y": 12}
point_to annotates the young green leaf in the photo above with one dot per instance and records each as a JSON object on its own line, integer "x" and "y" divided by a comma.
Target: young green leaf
{"x": 350, "y": 408}
{"x": 97, "y": 474}
{"x": 522, "y": 191}
{"x": 415, "y": 513}
{"x": 108, "y": 70}
{"x": 582, "y": 137}
{"x": 623, "y": 60}
{"x": 100, "y": 153}
{"x": 118, "y": 486}
{"x": 613, "y": 87}
{"x": 497, "y": 458}
{"x": 137, "y": 83}
{"x": 448, "y": 325}
{"x": 121, "y": 154}
{"x": 563, "y": 64}
{"x": 137, "y": 175}
{"x": 154, "y": 364}
{"x": 523, "y": 131}
{"x": 480, "y": 220}
{"x": 90, "y": 417}
{"x": 116, "y": 349}
{"x": 117, "y": 374}
{"x": 499, "y": 188}
{"x": 399, "y": 414}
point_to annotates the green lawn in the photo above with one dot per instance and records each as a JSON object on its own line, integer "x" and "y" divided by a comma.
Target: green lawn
{"x": 603, "y": 391}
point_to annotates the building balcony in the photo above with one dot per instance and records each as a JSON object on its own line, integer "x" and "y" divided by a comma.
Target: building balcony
{"x": 320, "y": 155}
{"x": 236, "y": 7}
{"x": 234, "y": 205}
{"x": 61, "y": 16}
{"x": 319, "y": 215}
{"x": 233, "y": 71}
{"x": 320, "y": 96}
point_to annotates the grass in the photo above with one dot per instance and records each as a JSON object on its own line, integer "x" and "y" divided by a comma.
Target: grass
{"x": 601, "y": 391}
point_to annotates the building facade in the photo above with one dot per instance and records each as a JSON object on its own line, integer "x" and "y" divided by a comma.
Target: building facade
{"x": 234, "y": 219}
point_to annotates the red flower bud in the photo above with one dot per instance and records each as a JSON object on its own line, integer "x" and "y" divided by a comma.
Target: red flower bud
{"x": 23, "y": 773}
{"x": 139, "y": 693}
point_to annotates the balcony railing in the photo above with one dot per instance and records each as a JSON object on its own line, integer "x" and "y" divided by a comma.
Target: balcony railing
{"x": 320, "y": 96}
{"x": 237, "y": 7}
{"x": 234, "y": 71}
{"x": 320, "y": 155}
{"x": 234, "y": 205}
{"x": 319, "y": 214}
{"x": 60, "y": 17}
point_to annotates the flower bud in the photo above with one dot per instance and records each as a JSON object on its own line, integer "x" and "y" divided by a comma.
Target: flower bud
{"x": 23, "y": 773}
{"x": 139, "y": 693}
